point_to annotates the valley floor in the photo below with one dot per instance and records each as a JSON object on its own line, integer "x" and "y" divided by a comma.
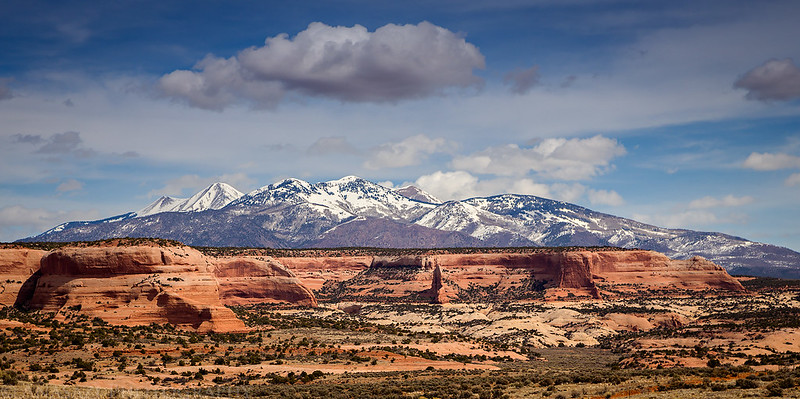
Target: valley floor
{"x": 693, "y": 346}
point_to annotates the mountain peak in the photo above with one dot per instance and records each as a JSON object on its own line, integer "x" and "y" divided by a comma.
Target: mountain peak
{"x": 215, "y": 196}
{"x": 347, "y": 179}
{"x": 418, "y": 194}
{"x": 293, "y": 212}
{"x": 162, "y": 204}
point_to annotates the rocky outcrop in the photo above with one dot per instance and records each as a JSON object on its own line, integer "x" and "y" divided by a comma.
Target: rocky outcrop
{"x": 314, "y": 271}
{"x": 134, "y": 285}
{"x": 17, "y": 265}
{"x": 248, "y": 280}
{"x": 135, "y": 282}
{"x": 536, "y": 275}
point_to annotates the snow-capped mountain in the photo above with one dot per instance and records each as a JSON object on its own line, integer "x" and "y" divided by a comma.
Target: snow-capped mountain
{"x": 418, "y": 194}
{"x": 355, "y": 212}
{"x": 215, "y": 196}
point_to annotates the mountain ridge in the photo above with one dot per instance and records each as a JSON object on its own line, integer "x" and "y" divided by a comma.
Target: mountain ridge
{"x": 352, "y": 211}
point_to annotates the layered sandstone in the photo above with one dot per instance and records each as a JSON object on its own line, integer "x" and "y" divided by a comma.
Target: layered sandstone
{"x": 134, "y": 285}
{"x": 16, "y": 266}
{"x": 314, "y": 271}
{"x": 248, "y": 280}
{"x": 517, "y": 276}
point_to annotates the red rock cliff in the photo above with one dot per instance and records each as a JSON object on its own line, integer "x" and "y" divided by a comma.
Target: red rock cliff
{"x": 16, "y": 266}
{"x": 246, "y": 280}
{"x": 134, "y": 285}
{"x": 509, "y": 276}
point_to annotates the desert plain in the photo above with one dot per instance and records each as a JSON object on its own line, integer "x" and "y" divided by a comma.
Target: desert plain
{"x": 153, "y": 318}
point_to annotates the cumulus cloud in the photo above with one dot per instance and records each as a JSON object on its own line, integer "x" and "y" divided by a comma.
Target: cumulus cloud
{"x": 410, "y": 151}
{"x": 793, "y": 180}
{"x": 394, "y": 62}
{"x": 727, "y": 201}
{"x": 557, "y": 158}
{"x": 681, "y": 220}
{"x": 522, "y": 80}
{"x": 69, "y": 185}
{"x": 459, "y": 184}
{"x": 332, "y": 145}
{"x": 767, "y": 161}
{"x": 605, "y": 197}
{"x": 190, "y": 184}
{"x": 701, "y": 212}
{"x": 775, "y": 80}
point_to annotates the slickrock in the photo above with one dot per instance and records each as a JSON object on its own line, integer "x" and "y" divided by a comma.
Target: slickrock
{"x": 134, "y": 285}
{"x": 248, "y": 280}
{"x": 16, "y": 266}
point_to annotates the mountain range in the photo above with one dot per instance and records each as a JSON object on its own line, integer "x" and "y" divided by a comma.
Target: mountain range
{"x": 353, "y": 212}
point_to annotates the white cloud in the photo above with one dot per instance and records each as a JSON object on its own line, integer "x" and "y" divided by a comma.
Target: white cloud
{"x": 775, "y": 80}
{"x": 569, "y": 192}
{"x": 727, "y": 201}
{"x": 410, "y": 151}
{"x": 190, "y": 184}
{"x": 457, "y": 185}
{"x": 69, "y": 185}
{"x": 680, "y": 220}
{"x": 700, "y": 213}
{"x": 555, "y": 158}
{"x": 605, "y": 197}
{"x": 793, "y": 180}
{"x": 394, "y": 62}
{"x": 17, "y": 221}
{"x": 767, "y": 161}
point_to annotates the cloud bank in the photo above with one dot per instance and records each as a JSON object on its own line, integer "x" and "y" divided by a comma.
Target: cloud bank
{"x": 395, "y": 62}
{"x": 410, "y": 151}
{"x": 556, "y": 158}
{"x": 768, "y": 161}
{"x": 775, "y": 80}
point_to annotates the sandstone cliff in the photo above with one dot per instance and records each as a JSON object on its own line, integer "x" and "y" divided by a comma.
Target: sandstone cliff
{"x": 145, "y": 282}
{"x": 134, "y": 285}
{"x": 538, "y": 275}
{"x": 16, "y": 266}
{"x": 245, "y": 280}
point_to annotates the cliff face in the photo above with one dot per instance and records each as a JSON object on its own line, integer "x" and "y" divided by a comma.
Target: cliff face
{"x": 246, "y": 281}
{"x": 134, "y": 285}
{"x": 16, "y": 266}
{"x": 313, "y": 272}
{"x": 519, "y": 276}
{"x": 143, "y": 284}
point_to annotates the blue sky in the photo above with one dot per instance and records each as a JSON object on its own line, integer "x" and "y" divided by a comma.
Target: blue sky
{"x": 677, "y": 113}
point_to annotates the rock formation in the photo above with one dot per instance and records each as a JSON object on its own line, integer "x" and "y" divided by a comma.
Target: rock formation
{"x": 247, "y": 280}
{"x": 520, "y": 276}
{"x": 16, "y": 266}
{"x": 134, "y": 285}
{"x": 143, "y": 282}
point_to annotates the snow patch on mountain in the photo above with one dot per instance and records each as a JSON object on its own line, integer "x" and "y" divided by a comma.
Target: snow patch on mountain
{"x": 215, "y": 196}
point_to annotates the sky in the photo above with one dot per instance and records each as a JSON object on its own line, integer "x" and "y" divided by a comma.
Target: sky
{"x": 682, "y": 114}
